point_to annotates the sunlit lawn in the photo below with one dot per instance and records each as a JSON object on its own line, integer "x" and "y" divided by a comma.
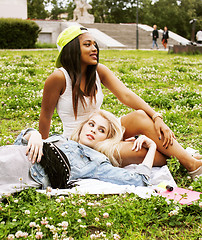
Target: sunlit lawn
{"x": 170, "y": 83}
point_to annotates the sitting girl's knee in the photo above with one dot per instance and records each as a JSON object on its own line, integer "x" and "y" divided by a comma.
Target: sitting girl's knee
{"x": 141, "y": 114}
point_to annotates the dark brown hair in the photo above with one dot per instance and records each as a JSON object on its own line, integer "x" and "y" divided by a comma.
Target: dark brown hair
{"x": 71, "y": 62}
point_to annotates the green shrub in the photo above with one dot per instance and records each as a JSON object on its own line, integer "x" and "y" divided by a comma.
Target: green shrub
{"x": 18, "y": 33}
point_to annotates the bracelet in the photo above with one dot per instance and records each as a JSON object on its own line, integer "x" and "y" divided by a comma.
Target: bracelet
{"x": 156, "y": 115}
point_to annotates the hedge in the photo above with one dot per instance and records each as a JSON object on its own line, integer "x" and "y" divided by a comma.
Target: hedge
{"x": 18, "y": 33}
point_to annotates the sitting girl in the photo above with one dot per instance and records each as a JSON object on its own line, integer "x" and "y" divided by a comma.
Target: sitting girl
{"x": 75, "y": 90}
{"x": 30, "y": 166}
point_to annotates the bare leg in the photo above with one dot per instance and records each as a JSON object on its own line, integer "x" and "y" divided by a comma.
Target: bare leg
{"x": 138, "y": 122}
{"x": 132, "y": 157}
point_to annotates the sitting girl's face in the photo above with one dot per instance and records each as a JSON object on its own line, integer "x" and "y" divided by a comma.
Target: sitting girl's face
{"x": 96, "y": 129}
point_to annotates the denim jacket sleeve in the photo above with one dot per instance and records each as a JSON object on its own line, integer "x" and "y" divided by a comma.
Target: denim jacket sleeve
{"x": 20, "y": 140}
{"x": 36, "y": 171}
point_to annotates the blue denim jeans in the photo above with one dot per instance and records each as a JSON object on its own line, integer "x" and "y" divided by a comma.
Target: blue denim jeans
{"x": 155, "y": 43}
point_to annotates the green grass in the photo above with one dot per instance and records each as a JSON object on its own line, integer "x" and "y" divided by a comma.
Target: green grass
{"x": 170, "y": 83}
{"x": 45, "y": 45}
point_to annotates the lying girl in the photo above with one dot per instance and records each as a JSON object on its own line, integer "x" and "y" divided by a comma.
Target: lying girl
{"x": 41, "y": 164}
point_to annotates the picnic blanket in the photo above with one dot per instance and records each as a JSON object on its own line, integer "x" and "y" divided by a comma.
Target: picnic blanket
{"x": 160, "y": 176}
{"x": 94, "y": 186}
{"x": 91, "y": 186}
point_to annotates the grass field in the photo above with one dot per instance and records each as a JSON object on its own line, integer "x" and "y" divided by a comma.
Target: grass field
{"x": 170, "y": 83}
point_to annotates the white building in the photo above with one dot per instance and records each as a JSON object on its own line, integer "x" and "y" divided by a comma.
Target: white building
{"x": 13, "y": 9}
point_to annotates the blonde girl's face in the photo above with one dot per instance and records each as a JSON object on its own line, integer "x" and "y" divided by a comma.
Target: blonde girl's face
{"x": 95, "y": 130}
{"x": 88, "y": 49}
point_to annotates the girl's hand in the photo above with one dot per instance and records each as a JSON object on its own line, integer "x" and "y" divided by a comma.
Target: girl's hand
{"x": 143, "y": 141}
{"x": 131, "y": 139}
{"x": 162, "y": 128}
{"x": 35, "y": 146}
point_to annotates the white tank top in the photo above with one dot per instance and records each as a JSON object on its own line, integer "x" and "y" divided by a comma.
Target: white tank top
{"x": 65, "y": 106}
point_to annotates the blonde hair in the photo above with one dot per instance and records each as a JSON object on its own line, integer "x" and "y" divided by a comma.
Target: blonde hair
{"x": 110, "y": 145}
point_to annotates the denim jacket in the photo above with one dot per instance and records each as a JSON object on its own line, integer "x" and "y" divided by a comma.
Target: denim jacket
{"x": 86, "y": 162}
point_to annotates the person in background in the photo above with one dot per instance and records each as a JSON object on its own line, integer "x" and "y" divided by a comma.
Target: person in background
{"x": 155, "y": 36}
{"x": 165, "y": 37}
{"x": 74, "y": 89}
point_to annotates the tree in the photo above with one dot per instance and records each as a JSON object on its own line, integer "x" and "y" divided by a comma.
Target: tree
{"x": 112, "y": 11}
{"x": 198, "y": 8}
{"x": 174, "y": 14}
{"x": 165, "y": 13}
{"x": 189, "y": 9}
{"x": 57, "y": 8}
{"x": 99, "y": 10}
{"x": 61, "y": 6}
{"x": 146, "y": 14}
{"x": 70, "y": 9}
{"x": 36, "y": 9}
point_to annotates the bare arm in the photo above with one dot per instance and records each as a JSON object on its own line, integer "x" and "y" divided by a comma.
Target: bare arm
{"x": 53, "y": 88}
{"x": 146, "y": 142}
{"x": 125, "y": 95}
{"x": 129, "y": 98}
